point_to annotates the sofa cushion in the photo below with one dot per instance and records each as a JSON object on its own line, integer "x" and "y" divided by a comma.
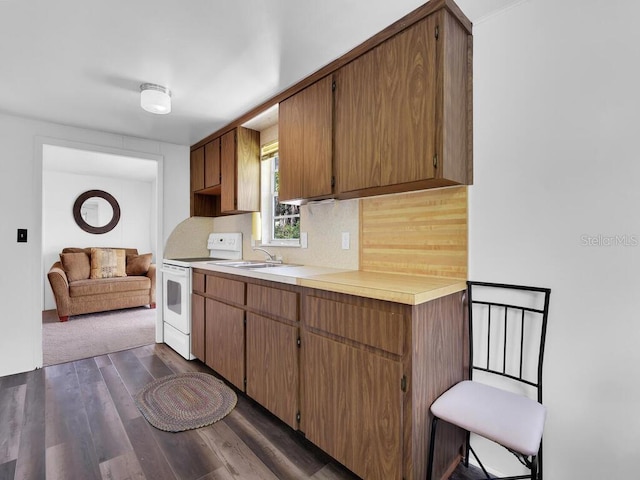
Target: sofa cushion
{"x": 75, "y": 265}
{"x": 138, "y": 264}
{"x": 107, "y": 263}
{"x": 101, "y": 286}
{"x": 87, "y": 250}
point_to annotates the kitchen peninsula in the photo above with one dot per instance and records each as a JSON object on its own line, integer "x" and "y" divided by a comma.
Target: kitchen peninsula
{"x": 352, "y": 359}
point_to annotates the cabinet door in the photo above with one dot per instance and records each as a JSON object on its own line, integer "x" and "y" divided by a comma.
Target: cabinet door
{"x": 225, "y": 341}
{"x": 291, "y": 147}
{"x": 305, "y": 142}
{"x": 228, "y": 169}
{"x": 272, "y": 366}
{"x": 247, "y": 170}
{"x": 240, "y": 167}
{"x": 357, "y": 125}
{"x": 385, "y": 112}
{"x": 407, "y": 76}
{"x": 197, "y": 169}
{"x": 352, "y": 406}
{"x": 212, "y": 163}
{"x": 198, "y": 327}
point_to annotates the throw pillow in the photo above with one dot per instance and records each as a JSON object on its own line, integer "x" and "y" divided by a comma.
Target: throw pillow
{"x": 107, "y": 263}
{"x": 76, "y": 266}
{"x": 138, "y": 264}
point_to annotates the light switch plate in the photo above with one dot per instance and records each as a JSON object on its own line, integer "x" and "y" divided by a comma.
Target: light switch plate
{"x": 22, "y": 235}
{"x": 304, "y": 240}
{"x": 345, "y": 240}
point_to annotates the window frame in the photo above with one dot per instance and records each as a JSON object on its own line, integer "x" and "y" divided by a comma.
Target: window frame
{"x": 268, "y": 195}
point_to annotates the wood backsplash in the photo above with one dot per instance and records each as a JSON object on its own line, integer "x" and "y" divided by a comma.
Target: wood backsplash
{"x": 421, "y": 233}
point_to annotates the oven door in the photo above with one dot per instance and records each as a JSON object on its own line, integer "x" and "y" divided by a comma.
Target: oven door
{"x": 176, "y": 286}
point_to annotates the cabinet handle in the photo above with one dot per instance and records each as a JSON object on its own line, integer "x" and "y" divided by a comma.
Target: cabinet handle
{"x": 435, "y": 161}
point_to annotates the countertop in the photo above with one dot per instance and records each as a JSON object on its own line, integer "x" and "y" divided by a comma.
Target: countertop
{"x": 399, "y": 288}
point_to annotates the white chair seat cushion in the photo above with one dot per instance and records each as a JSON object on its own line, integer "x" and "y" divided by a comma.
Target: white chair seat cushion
{"x": 514, "y": 421}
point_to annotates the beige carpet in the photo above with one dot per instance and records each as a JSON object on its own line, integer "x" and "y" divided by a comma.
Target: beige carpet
{"x": 94, "y": 334}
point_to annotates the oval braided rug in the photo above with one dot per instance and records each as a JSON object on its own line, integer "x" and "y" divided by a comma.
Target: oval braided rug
{"x": 185, "y": 401}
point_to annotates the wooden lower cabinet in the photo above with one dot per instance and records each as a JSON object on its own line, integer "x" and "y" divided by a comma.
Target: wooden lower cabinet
{"x": 352, "y": 406}
{"x": 362, "y": 380}
{"x": 272, "y": 366}
{"x": 365, "y": 401}
{"x": 198, "y": 327}
{"x": 224, "y": 332}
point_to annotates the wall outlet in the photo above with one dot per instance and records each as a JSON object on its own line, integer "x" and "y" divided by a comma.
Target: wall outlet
{"x": 345, "y": 240}
{"x": 304, "y": 240}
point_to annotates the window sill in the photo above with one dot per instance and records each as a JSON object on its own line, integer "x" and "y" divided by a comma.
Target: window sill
{"x": 280, "y": 244}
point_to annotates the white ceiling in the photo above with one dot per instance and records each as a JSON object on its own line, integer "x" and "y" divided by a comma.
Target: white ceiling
{"x": 81, "y": 162}
{"x": 81, "y": 63}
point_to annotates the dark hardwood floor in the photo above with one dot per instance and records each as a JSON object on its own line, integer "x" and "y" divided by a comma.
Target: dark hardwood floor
{"x": 78, "y": 421}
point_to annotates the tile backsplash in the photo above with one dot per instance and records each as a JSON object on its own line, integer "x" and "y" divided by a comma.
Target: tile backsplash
{"x": 324, "y": 222}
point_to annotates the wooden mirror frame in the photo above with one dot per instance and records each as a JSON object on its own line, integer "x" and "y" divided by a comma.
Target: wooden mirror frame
{"x": 90, "y": 228}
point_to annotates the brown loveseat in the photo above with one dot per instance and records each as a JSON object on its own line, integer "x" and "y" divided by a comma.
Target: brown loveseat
{"x": 76, "y": 292}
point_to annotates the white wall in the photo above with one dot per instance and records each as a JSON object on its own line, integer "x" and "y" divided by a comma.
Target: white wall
{"x": 556, "y": 107}
{"x": 21, "y": 143}
{"x": 60, "y": 190}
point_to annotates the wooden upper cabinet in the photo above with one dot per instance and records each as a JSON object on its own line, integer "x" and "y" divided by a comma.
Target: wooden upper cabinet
{"x": 197, "y": 169}
{"x": 212, "y": 163}
{"x": 392, "y": 115}
{"x": 240, "y": 167}
{"x": 205, "y": 167}
{"x": 305, "y": 134}
{"x": 403, "y": 111}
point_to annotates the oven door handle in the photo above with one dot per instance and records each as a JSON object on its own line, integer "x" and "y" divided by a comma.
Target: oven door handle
{"x": 177, "y": 273}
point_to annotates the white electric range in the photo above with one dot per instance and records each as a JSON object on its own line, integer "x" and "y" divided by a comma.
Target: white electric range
{"x": 176, "y": 289}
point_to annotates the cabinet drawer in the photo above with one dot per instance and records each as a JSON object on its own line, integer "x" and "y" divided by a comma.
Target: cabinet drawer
{"x": 273, "y": 301}
{"x": 230, "y": 291}
{"x": 366, "y": 325}
{"x": 197, "y": 282}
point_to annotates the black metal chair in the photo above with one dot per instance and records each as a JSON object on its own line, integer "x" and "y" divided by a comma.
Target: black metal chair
{"x": 507, "y": 329}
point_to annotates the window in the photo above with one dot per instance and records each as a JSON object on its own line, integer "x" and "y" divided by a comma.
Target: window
{"x": 280, "y": 222}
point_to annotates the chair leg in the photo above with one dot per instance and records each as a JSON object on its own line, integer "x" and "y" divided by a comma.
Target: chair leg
{"x": 432, "y": 445}
{"x": 467, "y": 447}
{"x": 540, "y": 462}
{"x": 534, "y": 468}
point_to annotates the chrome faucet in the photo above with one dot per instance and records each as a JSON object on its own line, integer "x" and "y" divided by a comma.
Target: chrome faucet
{"x": 270, "y": 257}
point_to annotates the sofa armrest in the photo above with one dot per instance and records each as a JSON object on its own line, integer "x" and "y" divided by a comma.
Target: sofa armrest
{"x": 152, "y": 275}
{"x": 60, "y": 286}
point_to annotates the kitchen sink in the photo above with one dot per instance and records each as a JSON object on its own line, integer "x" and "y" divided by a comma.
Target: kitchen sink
{"x": 250, "y": 264}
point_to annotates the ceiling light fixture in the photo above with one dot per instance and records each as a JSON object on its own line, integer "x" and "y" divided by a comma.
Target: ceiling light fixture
{"x": 155, "y": 98}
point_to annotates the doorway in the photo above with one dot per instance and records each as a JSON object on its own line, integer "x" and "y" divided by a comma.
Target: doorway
{"x": 68, "y": 171}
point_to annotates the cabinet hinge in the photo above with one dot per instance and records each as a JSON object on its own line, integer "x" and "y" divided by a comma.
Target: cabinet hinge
{"x": 435, "y": 161}
{"x": 245, "y": 320}
{"x": 403, "y": 383}
{"x": 437, "y": 33}
{"x": 299, "y": 342}
{"x": 298, "y": 416}
{"x": 244, "y": 381}
{"x": 333, "y": 181}
{"x": 333, "y": 86}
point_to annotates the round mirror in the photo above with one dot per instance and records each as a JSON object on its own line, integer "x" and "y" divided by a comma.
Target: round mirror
{"x": 96, "y": 211}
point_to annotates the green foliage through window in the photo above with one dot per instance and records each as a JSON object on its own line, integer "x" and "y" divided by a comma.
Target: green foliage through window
{"x": 285, "y": 219}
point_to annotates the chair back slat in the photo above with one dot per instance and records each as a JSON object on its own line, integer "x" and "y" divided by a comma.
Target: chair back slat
{"x": 517, "y": 307}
